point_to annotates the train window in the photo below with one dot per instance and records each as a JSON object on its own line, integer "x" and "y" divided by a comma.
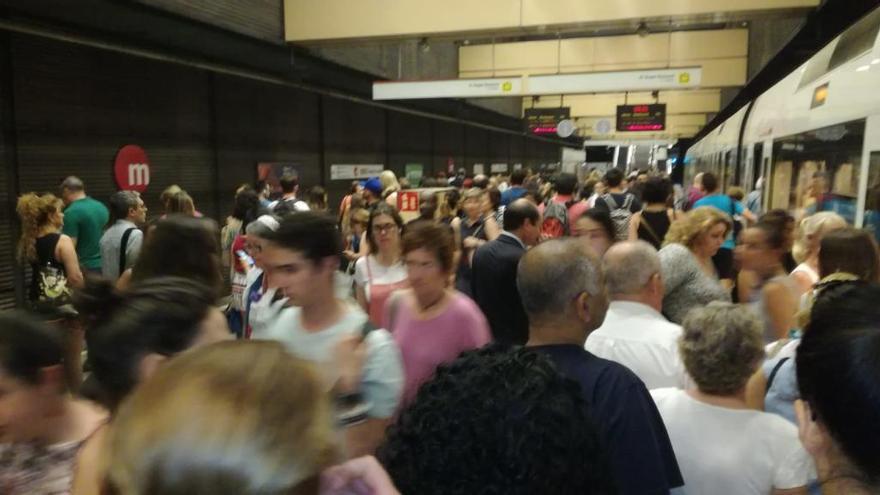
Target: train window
{"x": 872, "y": 201}
{"x": 818, "y": 170}
{"x": 857, "y": 40}
{"x": 817, "y": 66}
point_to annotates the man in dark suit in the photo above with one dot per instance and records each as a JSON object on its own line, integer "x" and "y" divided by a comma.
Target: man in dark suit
{"x": 494, "y": 273}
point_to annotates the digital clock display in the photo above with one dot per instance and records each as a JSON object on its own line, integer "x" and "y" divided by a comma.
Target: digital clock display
{"x": 639, "y": 118}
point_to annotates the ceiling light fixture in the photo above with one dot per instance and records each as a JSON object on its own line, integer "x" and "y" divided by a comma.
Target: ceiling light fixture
{"x": 863, "y": 68}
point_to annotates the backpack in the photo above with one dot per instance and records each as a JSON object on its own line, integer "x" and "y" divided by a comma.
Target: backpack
{"x": 555, "y": 223}
{"x": 620, "y": 215}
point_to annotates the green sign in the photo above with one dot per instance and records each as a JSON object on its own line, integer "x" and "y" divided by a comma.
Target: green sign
{"x": 414, "y": 173}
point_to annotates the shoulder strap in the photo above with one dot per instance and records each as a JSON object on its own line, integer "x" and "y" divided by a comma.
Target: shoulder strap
{"x": 122, "y": 248}
{"x": 366, "y": 328}
{"x": 774, "y": 372}
{"x": 627, "y": 203}
{"x": 609, "y": 201}
{"x": 649, "y": 229}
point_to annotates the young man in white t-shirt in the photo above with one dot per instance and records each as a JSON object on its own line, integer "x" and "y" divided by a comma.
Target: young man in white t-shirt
{"x": 362, "y": 365}
{"x": 721, "y": 445}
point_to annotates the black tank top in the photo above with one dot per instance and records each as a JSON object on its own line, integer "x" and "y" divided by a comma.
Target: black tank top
{"x": 45, "y": 256}
{"x": 658, "y": 221}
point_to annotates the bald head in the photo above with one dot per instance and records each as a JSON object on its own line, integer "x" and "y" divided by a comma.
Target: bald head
{"x": 555, "y": 273}
{"x": 628, "y": 266}
{"x": 72, "y": 184}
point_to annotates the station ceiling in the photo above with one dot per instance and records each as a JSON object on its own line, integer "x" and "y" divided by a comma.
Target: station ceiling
{"x": 509, "y": 38}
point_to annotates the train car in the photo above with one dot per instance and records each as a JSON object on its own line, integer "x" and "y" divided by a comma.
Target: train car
{"x": 814, "y": 136}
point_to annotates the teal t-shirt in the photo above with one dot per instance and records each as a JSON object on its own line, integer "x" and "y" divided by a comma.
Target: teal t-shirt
{"x": 724, "y": 203}
{"x": 84, "y": 220}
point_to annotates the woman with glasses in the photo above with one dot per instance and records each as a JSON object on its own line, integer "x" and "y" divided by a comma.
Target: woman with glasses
{"x": 431, "y": 322}
{"x": 381, "y": 272}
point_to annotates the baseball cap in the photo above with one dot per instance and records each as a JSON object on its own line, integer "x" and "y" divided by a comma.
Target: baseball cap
{"x": 373, "y": 185}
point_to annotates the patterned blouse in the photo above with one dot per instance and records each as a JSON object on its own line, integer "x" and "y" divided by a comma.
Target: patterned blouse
{"x": 34, "y": 469}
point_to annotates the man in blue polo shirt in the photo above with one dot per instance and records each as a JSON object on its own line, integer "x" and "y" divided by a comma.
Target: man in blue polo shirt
{"x": 713, "y": 197}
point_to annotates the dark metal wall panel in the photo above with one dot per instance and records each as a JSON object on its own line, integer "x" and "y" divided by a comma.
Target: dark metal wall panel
{"x": 448, "y": 145}
{"x": 8, "y": 232}
{"x": 517, "y": 150}
{"x": 258, "y": 122}
{"x": 476, "y": 148}
{"x": 499, "y": 148}
{"x": 409, "y": 141}
{"x": 75, "y": 107}
{"x": 258, "y": 18}
{"x": 353, "y": 134}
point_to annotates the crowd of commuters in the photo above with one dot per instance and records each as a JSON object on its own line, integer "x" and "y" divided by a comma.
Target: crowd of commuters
{"x": 526, "y": 334}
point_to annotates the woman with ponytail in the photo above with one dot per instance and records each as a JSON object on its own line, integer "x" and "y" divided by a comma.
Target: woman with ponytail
{"x": 50, "y": 253}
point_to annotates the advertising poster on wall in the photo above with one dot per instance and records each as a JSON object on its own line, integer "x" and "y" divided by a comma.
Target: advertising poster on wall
{"x": 272, "y": 172}
{"x": 351, "y": 172}
{"x": 414, "y": 174}
{"x": 479, "y": 168}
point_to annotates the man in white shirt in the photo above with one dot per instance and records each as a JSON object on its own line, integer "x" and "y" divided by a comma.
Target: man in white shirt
{"x": 361, "y": 365}
{"x": 121, "y": 243}
{"x": 634, "y": 332}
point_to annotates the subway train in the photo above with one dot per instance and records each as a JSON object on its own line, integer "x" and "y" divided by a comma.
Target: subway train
{"x": 814, "y": 137}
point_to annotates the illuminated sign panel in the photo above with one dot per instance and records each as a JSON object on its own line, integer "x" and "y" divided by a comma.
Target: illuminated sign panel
{"x": 638, "y": 118}
{"x": 544, "y": 121}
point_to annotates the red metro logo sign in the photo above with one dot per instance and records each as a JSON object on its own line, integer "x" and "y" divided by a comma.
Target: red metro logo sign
{"x": 132, "y": 168}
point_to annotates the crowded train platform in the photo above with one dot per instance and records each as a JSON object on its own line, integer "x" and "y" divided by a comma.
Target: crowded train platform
{"x": 636, "y": 256}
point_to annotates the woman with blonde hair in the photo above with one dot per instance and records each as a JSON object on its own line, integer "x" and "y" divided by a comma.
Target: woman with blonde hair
{"x": 182, "y": 203}
{"x": 689, "y": 275}
{"x": 806, "y": 246}
{"x": 51, "y": 254}
{"x": 390, "y": 187}
{"x": 231, "y": 418}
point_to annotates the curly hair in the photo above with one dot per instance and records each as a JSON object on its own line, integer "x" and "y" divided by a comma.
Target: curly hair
{"x": 696, "y": 222}
{"x": 496, "y": 421}
{"x": 721, "y": 346}
{"x": 35, "y": 213}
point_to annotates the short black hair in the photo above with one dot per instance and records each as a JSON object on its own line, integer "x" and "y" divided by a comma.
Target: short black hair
{"x": 656, "y": 190}
{"x": 312, "y": 233}
{"x": 710, "y": 182}
{"x": 613, "y": 177}
{"x": 161, "y": 315}
{"x": 289, "y": 183}
{"x": 565, "y": 183}
{"x": 28, "y": 345}
{"x": 497, "y": 420}
{"x": 517, "y": 177}
{"x": 516, "y": 214}
{"x": 247, "y": 207}
{"x": 837, "y": 363}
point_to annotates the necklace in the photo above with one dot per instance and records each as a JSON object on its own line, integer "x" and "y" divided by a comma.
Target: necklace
{"x": 436, "y": 302}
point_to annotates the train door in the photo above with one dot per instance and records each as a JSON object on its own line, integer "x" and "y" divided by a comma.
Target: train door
{"x": 868, "y": 209}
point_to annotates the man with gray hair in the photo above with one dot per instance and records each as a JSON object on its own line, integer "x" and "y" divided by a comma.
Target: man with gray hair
{"x": 121, "y": 243}
{"x": 563, "y": 292}
{"x": 634, "y": 333}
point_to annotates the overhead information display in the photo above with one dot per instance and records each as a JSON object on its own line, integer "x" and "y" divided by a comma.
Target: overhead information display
{"x": 545, "y": 120}
{"x": 635, "y": 118}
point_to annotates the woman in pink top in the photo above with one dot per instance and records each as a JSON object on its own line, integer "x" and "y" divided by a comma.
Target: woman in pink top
{"x": 431, "y": 322}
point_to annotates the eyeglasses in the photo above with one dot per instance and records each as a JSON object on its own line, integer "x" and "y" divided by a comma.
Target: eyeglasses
{"x": 385, "y": 227}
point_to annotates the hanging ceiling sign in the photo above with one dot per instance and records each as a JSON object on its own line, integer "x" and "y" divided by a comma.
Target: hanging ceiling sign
{"x": 635, "y": 118}
{"x": 556, "y": 84}
{"x": 544, "y": 121}
{"x": 614, "y": 82}
{"x": 455, "y": 88}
